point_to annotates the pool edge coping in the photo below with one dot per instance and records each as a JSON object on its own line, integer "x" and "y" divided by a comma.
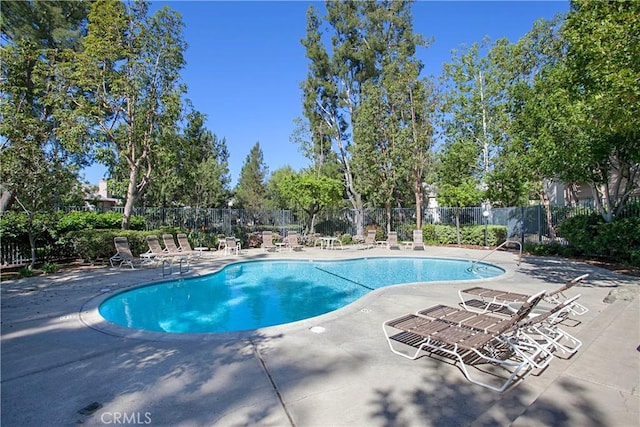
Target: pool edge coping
{"x": 90, "y": 316}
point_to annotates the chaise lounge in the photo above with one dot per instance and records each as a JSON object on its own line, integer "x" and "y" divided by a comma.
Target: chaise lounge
{"x": 184, "y": 246}
{"x": 418, "y": 242}
{"x": 369, "y": 240}
{"x": 501, "y": 300}
{"x": 293, "y": 241}
{"x": 267, "y": 242}
{"x": 505, "y": 347}
{"x": 160, "y": 255}
{"x": 123, "y": 253}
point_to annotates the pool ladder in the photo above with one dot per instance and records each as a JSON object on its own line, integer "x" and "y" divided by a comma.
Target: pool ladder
{"x": 170, "y": 264}
{"x": 503, "y": 244}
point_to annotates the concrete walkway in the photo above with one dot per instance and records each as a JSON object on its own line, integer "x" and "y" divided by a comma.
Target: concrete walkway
{"x": 62, "y": 365}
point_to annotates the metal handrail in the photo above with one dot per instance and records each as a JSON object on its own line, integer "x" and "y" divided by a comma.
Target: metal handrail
{"x": 170, "y": 264}
{"x": 498, "y": 247}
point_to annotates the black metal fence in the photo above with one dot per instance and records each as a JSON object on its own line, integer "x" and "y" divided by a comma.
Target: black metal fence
{"x": 526, "y": 223}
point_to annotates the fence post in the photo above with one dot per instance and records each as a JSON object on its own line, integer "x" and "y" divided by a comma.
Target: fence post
{"x": 539, "y": 223}
{"x": 523, "y": 224}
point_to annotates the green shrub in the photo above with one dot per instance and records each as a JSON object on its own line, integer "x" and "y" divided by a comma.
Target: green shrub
{"x": 50, "y": 267}
{"x": 437, "y": 234}
{"x": 474, "y": 235}
{"x": 550, "y": 249}
{"x": 94, "y": 245}
{"x": 346, "y": 239}
{"x": 619, "y": 239}
{"x": 74, "y": 221}
{"x": 25, "y": 272}
{"x": 13, "y": 226}
{"x": 634, "y": 258}
{"x": 581, "y": 232}
{"x": 590, "y": 235}
{"x": 429, "y": 234}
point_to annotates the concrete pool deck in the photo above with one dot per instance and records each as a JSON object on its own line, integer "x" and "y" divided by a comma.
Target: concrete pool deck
{"x": 63, "y": 366}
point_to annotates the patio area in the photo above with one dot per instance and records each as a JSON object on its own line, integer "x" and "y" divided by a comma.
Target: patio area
{"x": 62, "y": 365}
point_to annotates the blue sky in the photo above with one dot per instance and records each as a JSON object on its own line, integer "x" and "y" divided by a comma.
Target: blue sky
{"x": 245, "y": 62}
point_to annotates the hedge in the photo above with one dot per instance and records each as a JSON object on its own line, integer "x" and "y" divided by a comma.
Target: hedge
{"x": 590, "y": 235}
{"x": 436, "y": 234}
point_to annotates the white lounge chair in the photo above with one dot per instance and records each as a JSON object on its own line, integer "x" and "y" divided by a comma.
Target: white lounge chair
{"x": 369, "y": 240}
{"x": 418, "y": 242}
{"x": 469, "y": 346}
{"x": 267, "y": 242}
{"x": 392, "y": 240}
{"x": 159, "y": 254}
{"x": 231, "y": 245}
{"x": 498, "y": 300}
{"x": 123, "y": 254}
{"x": 170, "y": 243}
{"x": 293, "y": 241}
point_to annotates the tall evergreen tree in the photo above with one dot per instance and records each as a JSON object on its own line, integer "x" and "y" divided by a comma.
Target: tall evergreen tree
{"x": 333, "y": 84}
{"x": 251, "y": 191}
{"x": 392, "y": 129}
{"x": 40, "y": 151}
{"x": 372, "y": 44}
{"x": 191, "y": 169}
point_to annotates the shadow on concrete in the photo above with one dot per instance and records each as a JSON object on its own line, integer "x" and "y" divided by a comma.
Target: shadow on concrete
{"x": 443, "y": 402}
{"x": 560, "y": 270}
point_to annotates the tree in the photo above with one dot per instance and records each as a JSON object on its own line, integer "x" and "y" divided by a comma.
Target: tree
{"x": 575, "y": 109}
{"x": 324, "y": 161}
{"x": 37, "y": 35}
{"x": 419, "y": 158}
{"x": 39, "y": 153}
{"x": 392, "y": 129}
{"x": 458, "y": 185}
{"x": 276, "y": 198}
{"x": 251, "y": 191}
{"x": 372, "y": 47}
{"x": 310, "y": 193}
{"x": 600, "y": 78}
{"x": 332, "y": 88}
{"x": 191, "y": 169}
{"x": 524, "y": 160}
{"x": 474, "y": 105}
{"x": 377, "y": 157}
{"x": 129, "y": 73}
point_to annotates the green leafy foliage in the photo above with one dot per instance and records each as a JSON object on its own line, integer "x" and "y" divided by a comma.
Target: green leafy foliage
{"x": 251, "y": 190}
{"x": 590, "y": 235}
{"x": 96, "y": 220}
{"x": 143, "y": 75}
{"x": 49, "y": 267}
{"x": 97, "y": 245}
{"x": 25, "y": 272}
{"x": 550, "y": 249}
{"x": 437, "y": 234}
{"x": 310, "y": 193}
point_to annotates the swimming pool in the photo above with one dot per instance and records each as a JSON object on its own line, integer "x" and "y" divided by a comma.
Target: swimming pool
{"x": 254, "y": 294}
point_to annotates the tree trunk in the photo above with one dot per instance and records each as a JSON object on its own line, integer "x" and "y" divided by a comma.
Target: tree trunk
{"x": 418, "y": 195}
{"x": 387, "y": 208}
{"x": 6, "y": 200}
{"x": 132, "y": 193}
{"x": 547, "y": 208}
{"x": 32, "y": 243}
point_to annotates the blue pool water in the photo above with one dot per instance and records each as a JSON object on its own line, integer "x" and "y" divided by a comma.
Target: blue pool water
{"x": 255, "y": 294}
